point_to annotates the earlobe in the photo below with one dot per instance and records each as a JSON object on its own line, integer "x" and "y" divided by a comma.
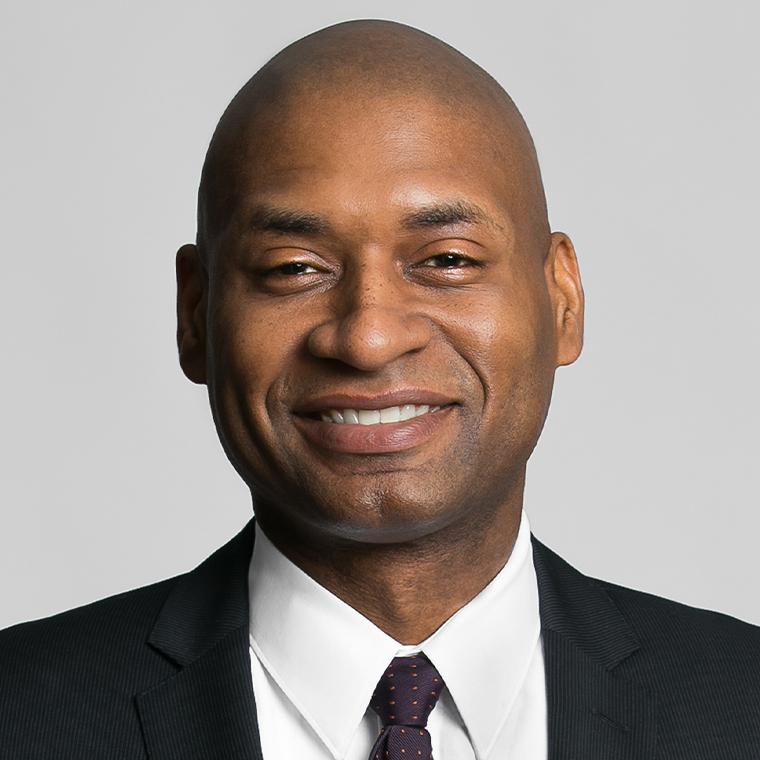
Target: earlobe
{"x": 566, "y": 291}
{"x": 192, "y": 294}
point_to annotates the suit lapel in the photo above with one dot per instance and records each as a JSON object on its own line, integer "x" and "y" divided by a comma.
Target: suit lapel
{"x": 206, "y": 709}
{"x": 593, "y": 713}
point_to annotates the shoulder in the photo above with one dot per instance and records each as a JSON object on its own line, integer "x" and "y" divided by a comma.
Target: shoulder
{"x": 66, "y": 675}
{"x": 115, "y": 618}
{"x": 669, "y": 645}
{"x": 702, "y": 646}
{"x": 655, "y": 620}
{"x": 701, "y": 668}
{"x": 94, "y": 637}
{"x": 70, "y": 684}
{"x": 657, "y": 617}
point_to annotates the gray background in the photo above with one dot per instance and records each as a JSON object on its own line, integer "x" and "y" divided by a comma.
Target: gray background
{"x": 646, "y": 119}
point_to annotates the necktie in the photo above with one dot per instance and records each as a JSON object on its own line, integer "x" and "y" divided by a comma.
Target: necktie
{"x": 404, "y": 698}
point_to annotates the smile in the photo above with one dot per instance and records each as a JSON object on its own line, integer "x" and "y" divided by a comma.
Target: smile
{"x": 384, "y": 416}
{"x": 391, "y": 429}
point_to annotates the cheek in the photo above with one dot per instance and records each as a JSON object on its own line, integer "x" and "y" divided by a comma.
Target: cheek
{"x": 248, "y": 343}
{"x": 248, "y": 354}
{"x": 508, "y": 344}
{"x": 506, "y": 340}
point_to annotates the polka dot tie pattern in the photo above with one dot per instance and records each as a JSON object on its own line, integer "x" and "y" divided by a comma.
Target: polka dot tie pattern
{"x": 404, "y": 698}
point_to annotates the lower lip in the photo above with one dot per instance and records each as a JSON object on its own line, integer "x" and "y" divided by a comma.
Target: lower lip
{"x": 382, "y": 438}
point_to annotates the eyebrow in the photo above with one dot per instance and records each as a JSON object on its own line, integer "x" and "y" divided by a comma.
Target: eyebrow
{"x": 265, "y": 218}
{"x": 270, "y": 219}
{"x": 447, "y": 214}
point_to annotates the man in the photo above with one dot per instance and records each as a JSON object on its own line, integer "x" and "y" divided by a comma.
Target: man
{"x": 377, "y": 306}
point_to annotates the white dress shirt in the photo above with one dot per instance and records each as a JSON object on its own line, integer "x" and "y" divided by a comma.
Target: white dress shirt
{"x": 315, "y": 662}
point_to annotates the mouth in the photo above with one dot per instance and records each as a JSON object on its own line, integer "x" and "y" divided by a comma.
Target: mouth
{"x": 373, "y": 425}
{"x": 385, "y": 416}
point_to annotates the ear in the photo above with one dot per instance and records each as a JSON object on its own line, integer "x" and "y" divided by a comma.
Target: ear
{"x": 566, "y": 292}
{"x": 192, "y": 299}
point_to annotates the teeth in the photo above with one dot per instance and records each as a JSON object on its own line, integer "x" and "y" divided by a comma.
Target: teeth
{"x": 369, "y": 416}
{"x": 391, "y": 414}
{"x": 377, "y": 416}
{"x": 407, "y": 411}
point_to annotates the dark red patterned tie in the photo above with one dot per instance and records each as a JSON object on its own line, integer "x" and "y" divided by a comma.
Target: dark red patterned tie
{"x": 404, "y": 698}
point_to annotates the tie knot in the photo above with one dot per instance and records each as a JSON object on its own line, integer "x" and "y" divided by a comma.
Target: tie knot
{"x": 407, "y": 691}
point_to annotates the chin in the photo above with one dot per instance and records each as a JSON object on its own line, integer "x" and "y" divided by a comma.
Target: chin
{"x": 378, "y": 516}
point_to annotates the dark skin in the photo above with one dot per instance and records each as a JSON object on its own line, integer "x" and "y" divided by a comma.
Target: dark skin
{"x": 367, "y": 240}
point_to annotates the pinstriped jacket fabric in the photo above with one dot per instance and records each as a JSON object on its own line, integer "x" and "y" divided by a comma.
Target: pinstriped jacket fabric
{"x": 163, "y": 672}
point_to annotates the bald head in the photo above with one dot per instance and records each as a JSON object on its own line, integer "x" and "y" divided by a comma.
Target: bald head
{"x": 358, "y": 66}
{"x": 373, "y": 231}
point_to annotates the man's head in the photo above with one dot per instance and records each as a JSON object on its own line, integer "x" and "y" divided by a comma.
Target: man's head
{"x": 373, "y": 234}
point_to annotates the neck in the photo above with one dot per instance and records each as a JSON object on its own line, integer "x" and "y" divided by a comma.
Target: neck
{"x": 410, "y": 589}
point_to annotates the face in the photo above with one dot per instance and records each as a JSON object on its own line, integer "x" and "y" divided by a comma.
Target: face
{"x": 381, "y": 321}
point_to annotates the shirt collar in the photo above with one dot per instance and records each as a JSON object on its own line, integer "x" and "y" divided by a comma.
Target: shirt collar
{"x": 305, "y": 636}
{"x": 484, "y": 650}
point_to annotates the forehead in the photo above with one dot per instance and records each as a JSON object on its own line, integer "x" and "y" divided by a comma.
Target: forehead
{"x": 362, "y": 155}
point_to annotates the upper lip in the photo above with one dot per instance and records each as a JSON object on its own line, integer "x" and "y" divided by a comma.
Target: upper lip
{"x": 398, "y": 397}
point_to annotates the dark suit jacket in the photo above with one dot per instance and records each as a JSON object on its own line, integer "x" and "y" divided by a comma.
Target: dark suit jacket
{"x": 163, "y": 672}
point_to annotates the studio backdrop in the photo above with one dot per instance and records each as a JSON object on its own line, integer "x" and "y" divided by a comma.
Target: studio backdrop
{"x": 646, "y": 118}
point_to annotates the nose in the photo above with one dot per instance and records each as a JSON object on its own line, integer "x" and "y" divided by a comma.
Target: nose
{"x": 375, "y": 322}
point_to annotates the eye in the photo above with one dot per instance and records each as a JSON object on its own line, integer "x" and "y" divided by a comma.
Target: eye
{"x": 290, "y": 276}
{"x": 449, "y": 260}
{"x": 291, "y": 268}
